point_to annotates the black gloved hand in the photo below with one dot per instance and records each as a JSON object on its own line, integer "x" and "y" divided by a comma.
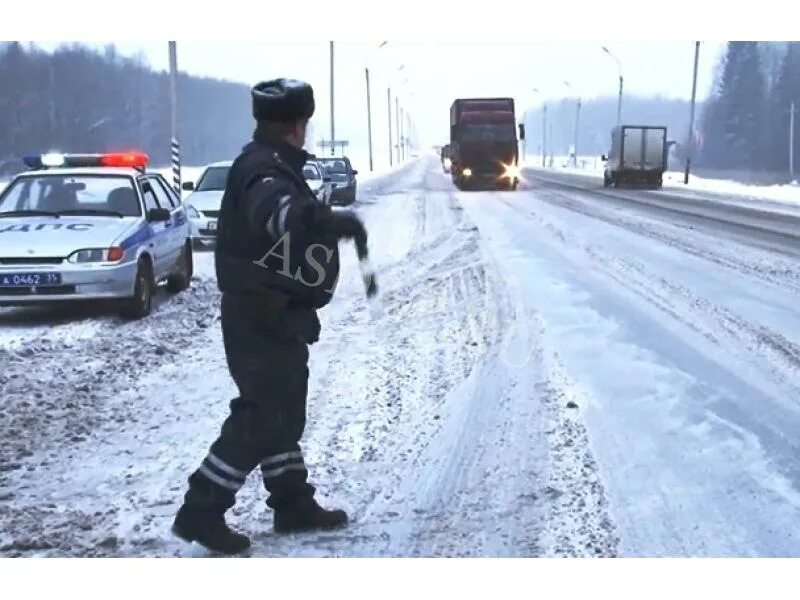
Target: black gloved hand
{"x": 342, "y": 224}
{"x": 339, "y": 224}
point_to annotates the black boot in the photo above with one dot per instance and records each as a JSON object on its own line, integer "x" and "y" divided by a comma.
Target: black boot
{"x": 210, "y": 531}
{"x": 307, "y": 517}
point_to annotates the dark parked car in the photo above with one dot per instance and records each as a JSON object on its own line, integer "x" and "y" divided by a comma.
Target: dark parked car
{"x": 343, "y": 179}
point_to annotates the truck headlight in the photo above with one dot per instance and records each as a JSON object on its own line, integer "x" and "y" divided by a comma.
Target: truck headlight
{"x": 511, "y": 171}
{"x": 192, "y": 212}
{"x": 96, "y": 255}
{"x": 467, "y": 172}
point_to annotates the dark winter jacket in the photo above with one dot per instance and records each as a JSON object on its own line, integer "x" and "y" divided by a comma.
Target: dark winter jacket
{"x": 267, "y": 234}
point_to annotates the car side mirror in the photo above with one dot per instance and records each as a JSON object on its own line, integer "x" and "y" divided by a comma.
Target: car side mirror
{"x": 158, "y": 215}
{"x": 188, "y": 186}
{"x": 355, "y": 172}
{"x": 522, "y": 131}
{"x": 603, "y": 157}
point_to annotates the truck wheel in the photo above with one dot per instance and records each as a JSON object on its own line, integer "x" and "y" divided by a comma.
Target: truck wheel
{"x": 606, "y": 181}
{"x": 616, "y": 180}
{"x": 140, "y": 304}
{"x": 182, "y": 279}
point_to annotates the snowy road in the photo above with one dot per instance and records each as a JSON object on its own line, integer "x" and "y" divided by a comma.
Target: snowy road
{"x": 554, "y": 374}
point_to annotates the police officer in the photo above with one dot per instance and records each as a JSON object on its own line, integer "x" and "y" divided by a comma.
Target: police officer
{"x": 277, "y": 262}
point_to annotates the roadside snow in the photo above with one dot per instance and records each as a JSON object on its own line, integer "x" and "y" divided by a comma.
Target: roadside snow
{"x": 439, "y": 427}
{"x": 701, "y": 188}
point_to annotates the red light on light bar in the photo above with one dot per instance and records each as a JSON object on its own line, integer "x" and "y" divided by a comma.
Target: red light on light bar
{"x": 125, "y": 159}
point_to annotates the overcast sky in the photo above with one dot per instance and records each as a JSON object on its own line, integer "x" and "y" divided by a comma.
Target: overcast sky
{"x": 434, "y": 74}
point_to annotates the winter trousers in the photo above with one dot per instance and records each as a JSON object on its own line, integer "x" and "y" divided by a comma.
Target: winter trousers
{"x": 267, "y": 355}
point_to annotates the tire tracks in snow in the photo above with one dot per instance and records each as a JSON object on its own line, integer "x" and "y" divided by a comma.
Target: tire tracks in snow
{"x": 729, "y": 331}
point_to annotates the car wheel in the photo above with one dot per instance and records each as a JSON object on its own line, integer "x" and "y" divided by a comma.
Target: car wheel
{"x": 140, "y": 304}
{"x": 182, "y": 279}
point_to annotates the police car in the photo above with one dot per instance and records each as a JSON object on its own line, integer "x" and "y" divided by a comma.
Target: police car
{"x": 92, "y": 227}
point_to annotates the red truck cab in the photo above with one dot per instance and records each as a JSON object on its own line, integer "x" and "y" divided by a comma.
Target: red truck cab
{"x": 483, "y": 143}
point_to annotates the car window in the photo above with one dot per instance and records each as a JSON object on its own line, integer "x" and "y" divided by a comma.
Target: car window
{"x": 150, "y": 201}
{"x": 213, "y": 179}
{"x": 59, "y": 193}
{"x": 311, "y": 172}
{"x": 163, "y": 193}
{"x": 338, "y": 167}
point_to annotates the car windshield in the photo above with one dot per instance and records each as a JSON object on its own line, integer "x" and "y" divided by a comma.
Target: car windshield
{"x": 311, "y": 172}
{"x": 338, "y": 167}
{"x": 491, "y": 132}
{"x": 98, "y": 194}
{"x": 213, "y": 179}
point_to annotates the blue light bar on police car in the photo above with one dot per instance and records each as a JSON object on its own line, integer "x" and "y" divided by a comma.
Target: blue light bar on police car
{"x": 136, "y": 160}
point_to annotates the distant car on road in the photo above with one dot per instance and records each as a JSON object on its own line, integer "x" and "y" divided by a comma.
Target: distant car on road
{"x": 92, "y": 227}
{"x": 204, "y": 202}
{"x": 343, "y": 180}
{"x": 319, "y": 180}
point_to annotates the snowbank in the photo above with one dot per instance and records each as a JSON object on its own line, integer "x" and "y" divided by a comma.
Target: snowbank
{"x": 673, "y": 181}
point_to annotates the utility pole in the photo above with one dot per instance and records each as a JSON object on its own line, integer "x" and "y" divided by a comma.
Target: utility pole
{"x": 690, "y": 141}
{"x": 791, "y": 140}
{"x": 333, "y": 129}
{"x": 389, "y": 104}
{"x": 173, "y": 98}
{"x": 369, "y": 121}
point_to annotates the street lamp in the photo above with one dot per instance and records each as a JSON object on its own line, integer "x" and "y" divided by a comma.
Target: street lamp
{"x": 369, "y": 109}
{"x": 333, "y": 128}
{"x": 619, "y": 99}
{"x": 690, "y": 141}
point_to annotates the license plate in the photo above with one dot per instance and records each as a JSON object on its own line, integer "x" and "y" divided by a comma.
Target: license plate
{"x": 30, "y": 279}
{"x": 212, "y": 225}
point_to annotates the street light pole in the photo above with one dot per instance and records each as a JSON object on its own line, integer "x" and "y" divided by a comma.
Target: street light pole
{"x": 397, "y": 124}
{"x": 333, "y": 129}
{"x": 369, "y": 109}
{"x": 577, "y": 128}
{"x": 402, "y": 135}
{"x": 619, "y": 98}
{"x": 389, "y": 104}
{"x": 369, "y": 121}
{"x": 544, "y": 135}
{"x": 791, "y": 140}
{"x": 690, "y": 142}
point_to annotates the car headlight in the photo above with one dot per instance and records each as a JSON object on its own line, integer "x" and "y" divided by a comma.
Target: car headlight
{"x": 467, "y": 172}
{"x": 96, "y": 255}
{"x": 192, "y": 212}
